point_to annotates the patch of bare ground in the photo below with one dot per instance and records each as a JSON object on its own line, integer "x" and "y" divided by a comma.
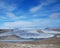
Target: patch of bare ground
{"x": 9, "y": 38}
{"x": 21, "y": 45}
{"x": 49, "y": 43}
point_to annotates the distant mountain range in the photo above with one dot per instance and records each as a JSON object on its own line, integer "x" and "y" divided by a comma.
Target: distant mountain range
{"x": 38, "y": 30}
{"x": 5, "y": 30}
{"x": 54, "y": 29}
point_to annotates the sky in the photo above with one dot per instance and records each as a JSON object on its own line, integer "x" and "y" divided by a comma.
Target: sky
{"x": 29, "y": 14}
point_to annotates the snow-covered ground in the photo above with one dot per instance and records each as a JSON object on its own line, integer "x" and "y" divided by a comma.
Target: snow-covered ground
{"x": 27, "y": 34}
{"x": 51, "y": 31}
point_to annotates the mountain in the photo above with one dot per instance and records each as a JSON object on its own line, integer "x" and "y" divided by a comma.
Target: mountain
{"x": 54, "y": 29}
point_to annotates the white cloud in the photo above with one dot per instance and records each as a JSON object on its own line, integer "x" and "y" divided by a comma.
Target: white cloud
{"x": 21, "y": 24}
{"x": 43, "y": 23}
{"x": 40, "y": 6}
{"x": 55, "y": 15}
{"x": 18, "y": 24}
{"x": 33, "y": 24}
{"x": 22, "y": 17}
{"x": 11, "y": 7}
{"x": 13, "y": 16}
{"x": 7, "y": 7}
{"x": 7, "y": 10}
{"x": 2, "y": 17}
{"x": 36, "y": 8}
{"x": 39, "y": 14}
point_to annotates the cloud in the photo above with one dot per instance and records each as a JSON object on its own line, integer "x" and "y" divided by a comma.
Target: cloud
{"x": 13, "y": 16}
{"x": 22, "y": 24}
{"x": 11, "y": 7}
{"x": 43, "y": 23}
{"x": 7, "y": 10}
{"x": 55, "y": 15}
{"x": 33, "y": 24}
{"x": 2, "y": 17}
{"x": 36, "y": 8}
{"x": 7, "y": 7}
{"x": 41, "y": 5}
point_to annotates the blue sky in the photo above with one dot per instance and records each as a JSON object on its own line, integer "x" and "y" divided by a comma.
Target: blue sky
{"x": 29, "y": 14}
